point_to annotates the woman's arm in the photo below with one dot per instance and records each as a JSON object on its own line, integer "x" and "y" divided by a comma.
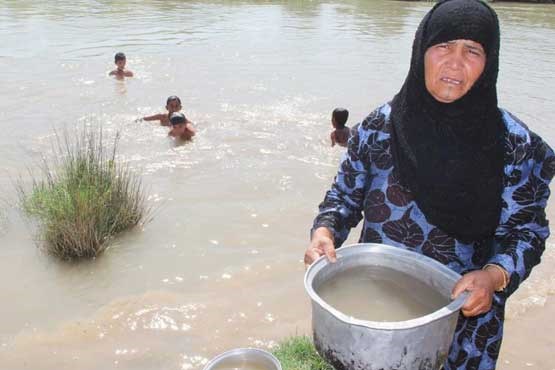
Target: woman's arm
{"x": 343, "y": 204}
{"x": 520, "y": 238}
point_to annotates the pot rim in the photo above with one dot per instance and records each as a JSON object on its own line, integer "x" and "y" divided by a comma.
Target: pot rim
{"x": 354, "y": 249}
{"x": 240, "y": 351}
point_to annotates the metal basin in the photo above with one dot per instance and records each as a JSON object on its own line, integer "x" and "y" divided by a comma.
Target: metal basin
{"x": 348, "y": 343}
{"x": 244, "y": 358}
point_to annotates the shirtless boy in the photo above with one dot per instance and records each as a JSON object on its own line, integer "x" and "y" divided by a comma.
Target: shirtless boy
{"x": 120, "y": 71}
{"x": 173, "y": 104}
{"x": 182, "y": 128}
{"x": 342, "y": 133}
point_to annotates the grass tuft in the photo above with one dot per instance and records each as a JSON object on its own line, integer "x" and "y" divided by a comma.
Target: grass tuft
{"x": 84, "y": 196}
{"x": 299, "y": 353}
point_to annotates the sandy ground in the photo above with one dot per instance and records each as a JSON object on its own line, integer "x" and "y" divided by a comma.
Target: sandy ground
{"x": 529, "y": 340}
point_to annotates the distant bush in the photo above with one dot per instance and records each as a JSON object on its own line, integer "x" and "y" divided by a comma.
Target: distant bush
{"x": 84, "y": 196}
{"x": 299, "y": 353}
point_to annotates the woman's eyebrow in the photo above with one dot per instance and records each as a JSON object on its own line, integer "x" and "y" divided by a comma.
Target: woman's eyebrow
{"x": 474, "y": 47}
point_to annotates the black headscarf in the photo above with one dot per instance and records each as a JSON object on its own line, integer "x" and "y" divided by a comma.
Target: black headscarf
{"x": 450, "y": 155}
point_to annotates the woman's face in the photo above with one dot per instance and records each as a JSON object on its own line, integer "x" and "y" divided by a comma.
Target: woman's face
{"x": 452, "y": 67}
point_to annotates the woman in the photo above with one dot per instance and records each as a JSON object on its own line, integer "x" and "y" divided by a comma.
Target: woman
{"x": 441, "y": 170}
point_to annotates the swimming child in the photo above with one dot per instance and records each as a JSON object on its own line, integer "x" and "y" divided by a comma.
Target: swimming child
{"x": 182, "y": 128}
{"x": 342, "y": 133}
{"x": 173, "y": 104}
{"x": 120, "y": 71}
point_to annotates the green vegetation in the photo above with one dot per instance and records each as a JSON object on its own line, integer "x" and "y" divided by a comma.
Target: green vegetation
{"x": 84, "y": 196}
{"x": 298, "y": 353}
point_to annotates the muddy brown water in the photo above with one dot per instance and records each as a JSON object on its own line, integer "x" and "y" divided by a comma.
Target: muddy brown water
{"x": 377, "y": 293}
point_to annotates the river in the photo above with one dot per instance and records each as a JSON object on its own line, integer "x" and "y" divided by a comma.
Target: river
{"x": 220, "y": 264}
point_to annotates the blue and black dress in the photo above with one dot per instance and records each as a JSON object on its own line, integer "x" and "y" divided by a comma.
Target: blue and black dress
{"x": 367, "y": 187}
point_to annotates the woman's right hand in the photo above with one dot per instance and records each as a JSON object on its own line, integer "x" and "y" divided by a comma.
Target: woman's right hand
{"x": 320, "y": 244}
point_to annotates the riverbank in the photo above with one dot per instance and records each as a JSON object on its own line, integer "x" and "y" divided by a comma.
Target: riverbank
{"x": 517, "y": 353}
{"x": 528, "y": 340}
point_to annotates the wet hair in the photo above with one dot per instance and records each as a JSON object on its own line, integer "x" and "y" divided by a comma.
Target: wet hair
{"x": 177, "y": 117}
{"x": 172, "y": 98}
{"x": 340, "y": 115}
{"x": 119, "y": 56}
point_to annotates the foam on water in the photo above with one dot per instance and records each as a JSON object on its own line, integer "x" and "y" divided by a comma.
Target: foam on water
{"x": 166, "y": 328}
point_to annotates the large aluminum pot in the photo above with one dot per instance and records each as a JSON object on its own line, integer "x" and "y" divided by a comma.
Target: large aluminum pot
{"x": 351, "y": 344}
{"x": 238, "y": 357}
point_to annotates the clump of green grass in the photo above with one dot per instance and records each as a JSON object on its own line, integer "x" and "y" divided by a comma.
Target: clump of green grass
{"x": 299, "y": 353}
{"x": 84, "y": 196}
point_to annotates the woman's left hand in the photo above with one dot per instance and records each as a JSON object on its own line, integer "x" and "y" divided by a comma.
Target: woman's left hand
{"x": 481, "y": 286}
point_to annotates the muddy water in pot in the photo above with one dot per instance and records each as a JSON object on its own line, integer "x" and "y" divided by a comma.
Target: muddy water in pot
{"x": 377, "y": 293}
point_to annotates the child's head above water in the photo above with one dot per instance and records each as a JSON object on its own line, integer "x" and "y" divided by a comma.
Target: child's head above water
{"x": 177, "y": 118}
{"x": 179, "y": 125}
{"x": 119, "y": 60}
{"x": 119, "y": 56}
{"x": 173, "y": 104}
{"x": 339, "y": 117}
{"x": 120, "y": 72}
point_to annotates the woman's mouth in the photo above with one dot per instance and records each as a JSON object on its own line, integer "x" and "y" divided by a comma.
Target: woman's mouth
{"x": 451, "y": 80}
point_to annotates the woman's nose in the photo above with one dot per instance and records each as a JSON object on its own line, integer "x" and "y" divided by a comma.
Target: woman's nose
{"x": 455, "y": 60}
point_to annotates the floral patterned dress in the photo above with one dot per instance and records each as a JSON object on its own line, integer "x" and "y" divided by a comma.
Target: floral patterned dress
{"x": 366, "y": 185}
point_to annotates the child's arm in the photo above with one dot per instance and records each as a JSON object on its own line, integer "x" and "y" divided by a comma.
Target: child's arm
{"x": 112, "y": 73}
{"x": 190, "y": 128}
{"x": 128, "y": 74}
{"x": 332, "y": 137}
{"x": 155, "y": 117}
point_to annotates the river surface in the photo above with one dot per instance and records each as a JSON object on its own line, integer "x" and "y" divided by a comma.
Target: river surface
{"x": 220, "y": 264}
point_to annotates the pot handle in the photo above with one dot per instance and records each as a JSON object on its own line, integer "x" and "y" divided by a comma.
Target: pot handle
{"x": 459, "y": 301}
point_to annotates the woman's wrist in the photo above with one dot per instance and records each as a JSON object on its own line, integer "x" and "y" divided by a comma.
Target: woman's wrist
{"x": 322, "y": 231}
{"x": 499, "y": 275}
